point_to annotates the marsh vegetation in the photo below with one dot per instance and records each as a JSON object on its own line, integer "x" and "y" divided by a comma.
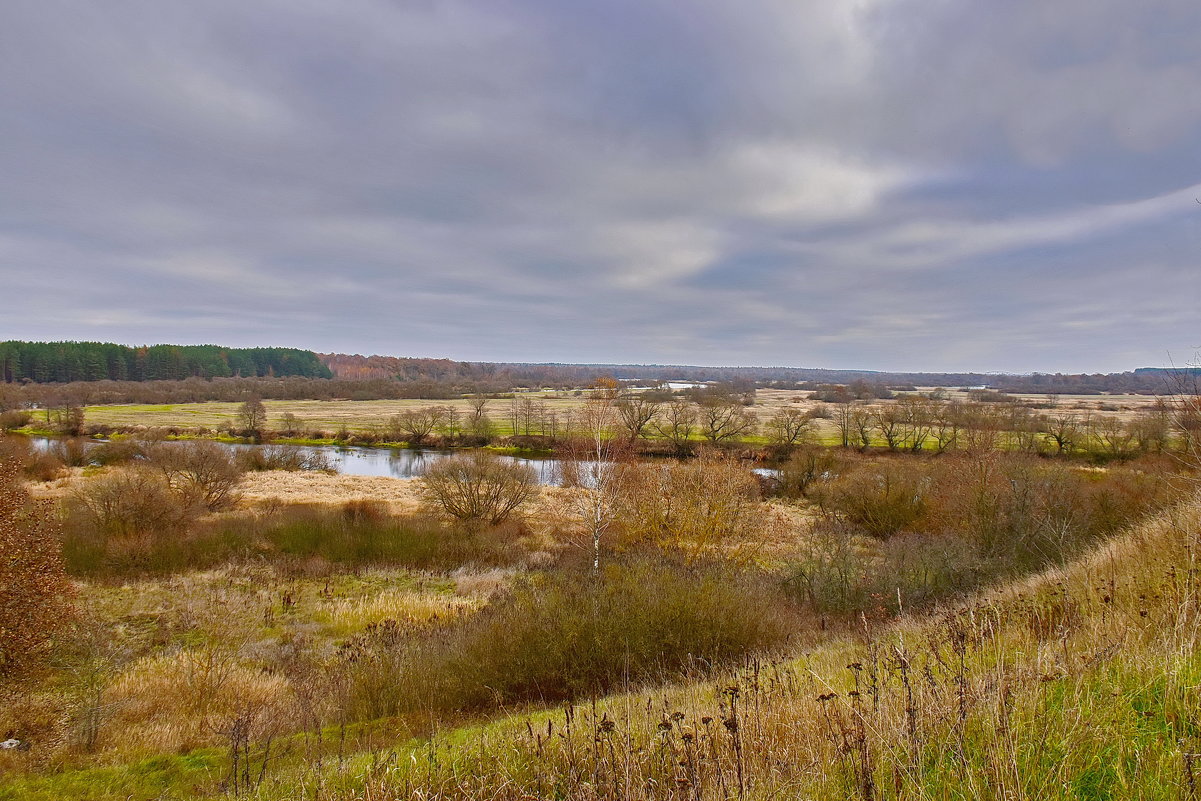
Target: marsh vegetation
{"x": 223, "y": 623}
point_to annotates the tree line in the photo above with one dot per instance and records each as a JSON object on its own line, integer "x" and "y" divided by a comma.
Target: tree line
{"x": 66, "y": 362}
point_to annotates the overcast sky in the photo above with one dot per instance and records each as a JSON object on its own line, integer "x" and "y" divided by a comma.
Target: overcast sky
{"x": 886, "y": 184}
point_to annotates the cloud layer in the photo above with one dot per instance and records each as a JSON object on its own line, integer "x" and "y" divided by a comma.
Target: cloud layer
{"x": 890, "y": 184}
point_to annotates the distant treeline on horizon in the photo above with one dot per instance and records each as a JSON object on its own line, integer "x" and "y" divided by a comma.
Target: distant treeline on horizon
{"x": 361, "y": 377}
{"x": 1146, "y": 380}
{"x": 66, "y": 362}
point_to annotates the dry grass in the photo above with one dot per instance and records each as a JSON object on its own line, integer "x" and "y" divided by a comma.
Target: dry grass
{"x": 1076, "y": 683}
{"x": 404, "y": 606}
{"x": 277, "y": 486}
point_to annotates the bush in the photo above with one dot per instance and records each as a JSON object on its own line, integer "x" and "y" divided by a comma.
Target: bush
{"x": 117, "y": 452}
{"x": 879, "y": 501}
{"x": 129, "y": 504}
{"x": 570, "y": 634}
{"x": 282, "y": 457}
{"x": 35, "y": 603}
{"x": 201, "y": 473}
{"x": 693, "y": 505}
{"x": 14, "y": 418}
{"x": 478, "y": 488}
{"x": 834, "y": 573}
{"x": 809, "y": 466}
{"x": 73, "y": 452}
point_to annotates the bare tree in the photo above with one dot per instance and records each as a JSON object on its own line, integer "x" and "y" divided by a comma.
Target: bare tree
{"x": 414, "y": 425}
{"x": 918, "y": 414}
{"x": 199, "y": 472}
{"x": 1023, "y": 427}
{"x": 722, "y": 420}
{"x": 601, "y": 457}
{"x": 889, "y": 420}
{"x": 1063, "y": 430}
{"x": 946, "y": 424}
{"x": 252, "y": 416}
{"x": 637, "y": 413}
{"x": 860, "y": 422}
{"x": 1113, "y": 435}
{"x": 478, "y": 488}
{"x": 677, "y": 424}
{"x": 790, "y": 426}
{"x": 844, "y": 409}
{"x": 478, "y": 422}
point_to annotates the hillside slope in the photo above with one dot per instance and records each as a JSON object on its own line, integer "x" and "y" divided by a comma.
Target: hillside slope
{"x": 1081, "y": 683}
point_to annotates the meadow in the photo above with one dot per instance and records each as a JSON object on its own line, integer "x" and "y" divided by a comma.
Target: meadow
{"x": 867, "y": 623}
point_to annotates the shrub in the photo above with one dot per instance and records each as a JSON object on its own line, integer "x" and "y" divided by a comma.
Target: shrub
{"x": 117, "y": 452}
{"x": 73, "y": 452}
{"x": 478, "y": 488}
{"x": 835, "y": 573}
{"x": 130, "y": 503}
{"x": 35, "y": 601}
{"x": 201, "y": 473}
{"x": 693, "y": 505}
{"x": 570, "y": 634}
{"x": 880, "y": 501}
{"x": 14, "y": 418}
{"x": 809, "y": 466}
{"x": 282, "y": 457}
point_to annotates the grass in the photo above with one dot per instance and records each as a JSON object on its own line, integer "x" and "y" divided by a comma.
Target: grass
{"x": 367, "y": 416}
{"x": 348, "y": 653}
{"x": 1080, "y": 683}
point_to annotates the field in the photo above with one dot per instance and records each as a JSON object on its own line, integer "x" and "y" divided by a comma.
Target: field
{"x": 923, "y": 626}
{"x": 366, "y": 417}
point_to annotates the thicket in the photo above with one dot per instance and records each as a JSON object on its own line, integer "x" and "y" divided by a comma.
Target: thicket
{"x": 569, "y": 634}
{"x": 35, "y": 595}
{"x": 902, "y": 532}
{"x": 296, "y": 538}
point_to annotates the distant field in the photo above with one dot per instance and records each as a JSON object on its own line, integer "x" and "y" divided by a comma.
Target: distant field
{"x": 367, "y": 416}
{"x": 356, "y": 416}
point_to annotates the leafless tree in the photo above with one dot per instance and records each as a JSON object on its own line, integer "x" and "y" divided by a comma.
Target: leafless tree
{"x": 790, "y": 426}
{"x": 1113, "y": 435}
{"x": 889, "y": 420}
{"x": 478, "y": 422}
{"x": 946, "y": 425}
{"x": 252, "y": 416}
{"x": 1063, "y": 430}
{"x": 918, "y": 414}
{"x": 861, "y": 422}
{"x": 677, "y": 424}
{"x": 478, "y": 488}
{"x": 637, "y": 413}
{"x": 199, "y": 472}
{"x": 601, "y": 456}
{"x": 723, "y": 420}
{"x": 414, "y": 425}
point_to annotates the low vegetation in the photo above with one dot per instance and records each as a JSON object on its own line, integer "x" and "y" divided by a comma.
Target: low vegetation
{"x": 635, "y": 633}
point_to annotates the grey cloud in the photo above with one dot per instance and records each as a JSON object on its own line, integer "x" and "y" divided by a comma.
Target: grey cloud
{"x": 880, "y": 183}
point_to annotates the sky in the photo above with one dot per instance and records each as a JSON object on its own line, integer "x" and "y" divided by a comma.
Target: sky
{"x": 930, "y": 185}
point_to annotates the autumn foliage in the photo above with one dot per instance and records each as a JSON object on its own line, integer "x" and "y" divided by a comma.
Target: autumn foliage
{"x": 35, "y": 602}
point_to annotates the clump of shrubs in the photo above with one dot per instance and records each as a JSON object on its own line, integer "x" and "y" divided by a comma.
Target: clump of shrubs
{"x": 478, "y": 489}
{"x": 570, "y": 634}
{"x": 282, "y": 457}
{"x": 900, "y": 532}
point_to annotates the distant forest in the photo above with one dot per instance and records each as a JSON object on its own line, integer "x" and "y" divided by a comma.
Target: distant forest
{"x": 65, "y": 362}
{"x": 1149, "y": 381}
{"x": 94, "y": 372}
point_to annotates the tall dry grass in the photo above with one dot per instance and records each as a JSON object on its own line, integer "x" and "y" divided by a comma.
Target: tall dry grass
{"x": 1077, "y": 683}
